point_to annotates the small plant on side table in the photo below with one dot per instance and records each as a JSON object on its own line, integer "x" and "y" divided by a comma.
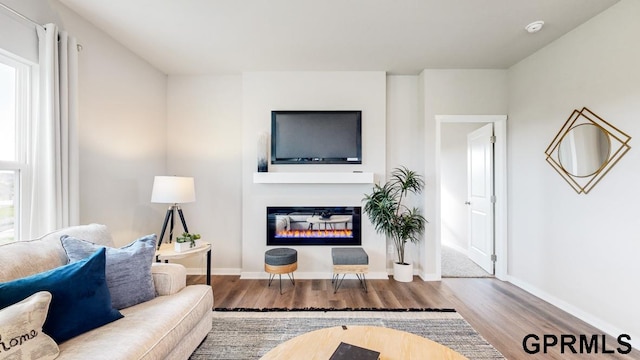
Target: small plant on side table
{"x": 186, "y": 237}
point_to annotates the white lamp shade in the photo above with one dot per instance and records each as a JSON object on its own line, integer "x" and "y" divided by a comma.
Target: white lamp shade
{"x": 173, "y": 190}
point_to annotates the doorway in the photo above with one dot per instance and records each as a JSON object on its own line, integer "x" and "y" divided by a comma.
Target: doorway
{"x": 457, "y": 216}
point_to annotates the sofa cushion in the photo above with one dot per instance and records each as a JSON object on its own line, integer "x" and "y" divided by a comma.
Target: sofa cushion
{"x": 168, "y": 279}
{"x": 128, "y": 269}
{"x": 150, "y": 330}
{"x": 28, "y": 257}
{"x": 349, "y": 256}
{"x": 80, "y": 296}
{"x": 21, "y": 329}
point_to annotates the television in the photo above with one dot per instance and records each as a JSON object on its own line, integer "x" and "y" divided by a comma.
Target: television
{"x": 316, "y": 137}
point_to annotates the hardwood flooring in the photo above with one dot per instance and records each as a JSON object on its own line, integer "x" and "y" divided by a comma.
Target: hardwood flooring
{"x": 501, "y": 312}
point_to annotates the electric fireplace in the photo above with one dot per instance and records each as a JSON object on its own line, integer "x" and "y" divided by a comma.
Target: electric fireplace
{"x": 314, "y": 226}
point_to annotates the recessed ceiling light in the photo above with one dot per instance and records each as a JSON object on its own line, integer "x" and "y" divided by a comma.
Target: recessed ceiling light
{"x": 534, "y": 26}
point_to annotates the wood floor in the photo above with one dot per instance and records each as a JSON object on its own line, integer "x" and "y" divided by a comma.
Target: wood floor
{"x": 502, "y": 313}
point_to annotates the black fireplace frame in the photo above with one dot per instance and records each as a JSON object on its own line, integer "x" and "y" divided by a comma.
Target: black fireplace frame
{"x": 356, "y": 223}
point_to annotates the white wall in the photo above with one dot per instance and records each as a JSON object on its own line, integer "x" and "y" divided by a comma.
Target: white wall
{"x": 122, "y": 125}
{"x": 266, "y": 91}
{"x": 122, "y": 115}
{"x": 451, "y": 92}
{"x": 453, "y": 184}
{"x": 578, "y": 251}
{"x": 205, "y": 141}
{"x": 404, "y": 143}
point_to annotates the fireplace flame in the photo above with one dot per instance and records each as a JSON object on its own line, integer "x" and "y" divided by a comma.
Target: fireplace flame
{"x": 329, "y": 233}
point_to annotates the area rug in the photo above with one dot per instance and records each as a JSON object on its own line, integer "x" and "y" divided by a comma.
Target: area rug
{"x": 456, "y": 264}
{"x": 251, "y": 334}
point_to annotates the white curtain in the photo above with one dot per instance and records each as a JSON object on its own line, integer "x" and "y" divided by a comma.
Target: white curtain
{"x": 54, "y": 136}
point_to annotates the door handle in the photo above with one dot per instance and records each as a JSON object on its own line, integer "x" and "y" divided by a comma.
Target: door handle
{"x": 467, "y": 202}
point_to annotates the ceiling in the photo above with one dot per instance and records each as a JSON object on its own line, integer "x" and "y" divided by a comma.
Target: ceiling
{"x": 397, "y": 36}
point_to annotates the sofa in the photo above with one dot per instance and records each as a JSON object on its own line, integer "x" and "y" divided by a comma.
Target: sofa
{"x": 168, "y": 326}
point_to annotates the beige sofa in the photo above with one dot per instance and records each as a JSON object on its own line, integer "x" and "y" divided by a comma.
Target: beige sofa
{"x": 170, "y": 326}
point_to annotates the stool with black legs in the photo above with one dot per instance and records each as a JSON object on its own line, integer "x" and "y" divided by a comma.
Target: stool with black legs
{"x": 349, "y": 261}
{"x": 280, "y": 261}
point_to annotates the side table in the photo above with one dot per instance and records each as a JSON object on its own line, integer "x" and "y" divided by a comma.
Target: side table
{"x": 167, "y": 252}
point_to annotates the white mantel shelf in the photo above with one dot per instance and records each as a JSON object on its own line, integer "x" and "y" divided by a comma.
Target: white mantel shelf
{"x": 313, "y": 178}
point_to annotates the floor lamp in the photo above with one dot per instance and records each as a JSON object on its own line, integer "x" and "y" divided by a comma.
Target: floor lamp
{"x": 172, "y": 190}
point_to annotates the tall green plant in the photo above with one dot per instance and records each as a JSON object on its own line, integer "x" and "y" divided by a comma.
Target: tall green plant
{"x": 390, "y": 216}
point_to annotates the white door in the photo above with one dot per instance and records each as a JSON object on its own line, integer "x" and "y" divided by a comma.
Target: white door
{"x": 480, "y": 196}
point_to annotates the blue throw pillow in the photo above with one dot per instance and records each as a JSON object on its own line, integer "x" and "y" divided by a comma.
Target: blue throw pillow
{"x": 80, "y": 298}
{"x": 128, "y": 268}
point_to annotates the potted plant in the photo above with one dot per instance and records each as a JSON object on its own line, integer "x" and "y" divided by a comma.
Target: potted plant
{"x": 391, "y": 217}
{"x": 187, "y": 242}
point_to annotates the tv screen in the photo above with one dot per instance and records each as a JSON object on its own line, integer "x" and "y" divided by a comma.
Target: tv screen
{"x": 316, "y": 137}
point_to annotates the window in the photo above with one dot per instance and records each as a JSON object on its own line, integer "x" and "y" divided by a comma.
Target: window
{"x": 15, "y": 118}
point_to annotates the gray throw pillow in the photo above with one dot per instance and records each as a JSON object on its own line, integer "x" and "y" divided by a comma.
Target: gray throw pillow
{"x": 128, "y": 269}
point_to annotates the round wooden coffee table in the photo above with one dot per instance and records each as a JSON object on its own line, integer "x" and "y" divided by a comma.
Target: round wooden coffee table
{"x": 392, "y": 344}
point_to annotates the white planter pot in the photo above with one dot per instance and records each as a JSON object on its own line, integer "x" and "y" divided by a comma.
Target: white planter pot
{"x": 185, "y": 246}
{"x": 402, "y": 272}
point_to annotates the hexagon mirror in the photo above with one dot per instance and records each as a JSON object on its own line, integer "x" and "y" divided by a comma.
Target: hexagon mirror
{"x": 585, "y": 149}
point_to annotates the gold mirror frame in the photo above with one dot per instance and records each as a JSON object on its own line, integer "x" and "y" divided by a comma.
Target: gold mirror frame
{"x": 618, "y": 141}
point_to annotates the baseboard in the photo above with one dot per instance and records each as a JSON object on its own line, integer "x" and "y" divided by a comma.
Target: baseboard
{"x": 214, "y": 271}
{"x": 591, "y": 319}
{"x": 377, "y": 275}
{"x": 429, "y": 277}
{"x": 308, "y": 275}
{"x": 312, "y": 275}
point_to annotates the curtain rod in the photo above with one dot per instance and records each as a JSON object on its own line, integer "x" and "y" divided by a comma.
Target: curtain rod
{"x": 20, "y": 15}
{"x": 78, "y": 46}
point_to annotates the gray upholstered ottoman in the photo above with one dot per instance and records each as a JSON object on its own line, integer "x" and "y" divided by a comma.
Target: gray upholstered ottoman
{"x": 349, "y": 261}
{"x": 280, "y": 261}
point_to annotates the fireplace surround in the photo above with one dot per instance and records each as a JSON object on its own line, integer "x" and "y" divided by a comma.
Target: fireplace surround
{"x": 314, "y": 225}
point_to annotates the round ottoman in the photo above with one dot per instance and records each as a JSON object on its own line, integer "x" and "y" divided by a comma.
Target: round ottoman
{"x": 281, "y": 261}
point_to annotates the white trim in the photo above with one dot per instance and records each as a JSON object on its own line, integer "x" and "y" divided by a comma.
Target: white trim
{"x": 590, "y": 319}
{"x": 430, "y": 276}
{"x": 500, "y": 166}
{"x": 312, "y": 275}
{"x": 214, "y": 271}
{"x": 500, "y": 184}
{"x": 25, "y": 103}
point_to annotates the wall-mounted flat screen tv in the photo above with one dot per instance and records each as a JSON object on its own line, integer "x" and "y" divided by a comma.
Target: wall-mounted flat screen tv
{"x": 316, "y": 137}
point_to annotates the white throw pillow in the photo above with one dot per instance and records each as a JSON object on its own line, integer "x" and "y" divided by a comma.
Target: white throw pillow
{"x": 21, "y": 335}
